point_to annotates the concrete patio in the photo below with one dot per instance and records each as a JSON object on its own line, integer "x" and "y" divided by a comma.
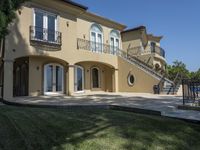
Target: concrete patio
{"x": 166, "y": 104}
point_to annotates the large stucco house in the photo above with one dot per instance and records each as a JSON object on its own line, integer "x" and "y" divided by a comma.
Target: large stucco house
{"x": 57, "y": 47}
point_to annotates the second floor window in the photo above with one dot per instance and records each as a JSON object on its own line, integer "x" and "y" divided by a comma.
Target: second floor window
{"x": 45, "y": 25}
{"x": 114, "y": 41}
{"x": 96, "y": 38}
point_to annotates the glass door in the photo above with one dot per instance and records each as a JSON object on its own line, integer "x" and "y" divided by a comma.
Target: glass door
{"x": 99, "y": 43}
{"x": 53, "y": 79}
{"x": 93, "y": 41}
{"x": 39, "y": 25}
{"x": 96, "y": 42}
{"x": 51, "y": 28}
{"x": 79, "y": 79}
{"x": 114, "y": 44}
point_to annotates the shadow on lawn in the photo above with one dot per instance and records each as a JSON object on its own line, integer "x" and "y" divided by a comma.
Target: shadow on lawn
{"x": 59, "y": 129}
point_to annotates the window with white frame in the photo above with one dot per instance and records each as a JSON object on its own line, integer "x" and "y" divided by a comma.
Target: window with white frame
{"x": 45, "y": 25}
{"x": 96, "y": 38}
{"x": 114, "y": 41}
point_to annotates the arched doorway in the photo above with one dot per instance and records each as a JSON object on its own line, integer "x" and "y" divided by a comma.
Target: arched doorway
{"x": 53, "y": 79}
{"x": 79, "y": 79}
{"x": 95, "y": 73}
{"x": 20, "y": 75}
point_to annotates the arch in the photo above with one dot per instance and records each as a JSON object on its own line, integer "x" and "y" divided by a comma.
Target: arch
{"x": 105, "y": 76}
{"x": 95, "y": 74}
{"x": 97, "y": 62}
{"x": 115, "y": 33}
{"x": 20, "y": 77}
{"x": 96, "y": 27}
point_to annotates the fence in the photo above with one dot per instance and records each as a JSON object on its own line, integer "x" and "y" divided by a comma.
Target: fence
{"x": 191, "y": 92}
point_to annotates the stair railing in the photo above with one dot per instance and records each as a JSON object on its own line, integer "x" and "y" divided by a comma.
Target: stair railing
{"x": 141, "y": 64}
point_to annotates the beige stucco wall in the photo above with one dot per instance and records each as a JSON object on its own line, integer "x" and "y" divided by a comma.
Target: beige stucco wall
{"x": 130, "y": 40}
{"x": 72, "y": 24}
{"x": 106, "y": 73}
{"x": 133, "y": 39}
{"x": 143, "y": 81}
{"x": 18, "y": 42}
{"x": 36, "y": 74}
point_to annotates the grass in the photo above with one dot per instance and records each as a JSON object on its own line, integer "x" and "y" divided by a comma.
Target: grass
{"x": 88, "y": 129}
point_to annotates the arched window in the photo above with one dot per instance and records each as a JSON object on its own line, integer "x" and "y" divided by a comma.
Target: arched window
{"x": 96, "y": 38}
{"x": 114, "y": 41}
{"x": 95, "y": 78}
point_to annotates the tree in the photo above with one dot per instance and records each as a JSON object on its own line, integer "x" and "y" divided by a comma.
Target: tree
{"x": 195, "y": 75}
{"x": 7, "y": 14}
{"x": 178, "y": 68}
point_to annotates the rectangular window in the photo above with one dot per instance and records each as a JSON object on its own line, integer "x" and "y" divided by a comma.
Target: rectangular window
{"x": 93, "y": 41}
{"x": 45, "y": 25}
{"x": 112, "y": 45}
{"x": 99, "y": 43}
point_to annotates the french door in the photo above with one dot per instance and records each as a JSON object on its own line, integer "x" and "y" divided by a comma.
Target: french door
{"x": 45, "y": 25}
{"x": 79, "y": 79}
{"x": 96, "y": 42}
{"x": 114, "y": 42}
{"x": 53, "y": 79}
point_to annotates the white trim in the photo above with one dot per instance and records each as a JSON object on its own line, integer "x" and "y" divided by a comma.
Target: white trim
{"x": 54, "y": 92}
{"x": 129, "y": 77}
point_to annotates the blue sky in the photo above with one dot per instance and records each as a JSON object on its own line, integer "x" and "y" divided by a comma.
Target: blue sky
{"x": 177, "y": 20}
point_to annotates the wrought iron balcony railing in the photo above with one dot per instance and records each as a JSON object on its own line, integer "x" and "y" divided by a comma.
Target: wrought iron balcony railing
{"x": 103, "y": 48}
{"x": 158, "y": 50}
{"x": 96, "y": 47}
{"x": 45, "y": 36}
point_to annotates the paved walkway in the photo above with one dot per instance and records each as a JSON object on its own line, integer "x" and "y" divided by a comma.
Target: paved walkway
{"x": 164, "y": 103}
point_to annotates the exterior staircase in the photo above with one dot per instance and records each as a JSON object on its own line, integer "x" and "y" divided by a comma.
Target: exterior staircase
{"x": 174, "y": 88}
{"x": 164, "y": 82}
{"x": 170, "y": 89}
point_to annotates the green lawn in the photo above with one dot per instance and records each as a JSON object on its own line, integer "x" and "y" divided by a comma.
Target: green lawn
{"x": 59, "y": 129}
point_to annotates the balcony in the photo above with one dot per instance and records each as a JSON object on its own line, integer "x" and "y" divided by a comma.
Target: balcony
{"x": 45, "y": 37}
{"x": 148, "y": 50}
{"x": 96, "y": 47}
{"x": 157, "y": 50}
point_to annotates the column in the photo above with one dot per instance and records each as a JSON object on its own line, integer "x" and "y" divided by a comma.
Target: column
{"x": 71, "y": 79}
{"x": 8, "y": 80}
{"x": 115, "y": 81}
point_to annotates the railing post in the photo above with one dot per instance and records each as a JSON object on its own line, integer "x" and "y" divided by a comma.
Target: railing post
{"x": 183, "y": 91}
